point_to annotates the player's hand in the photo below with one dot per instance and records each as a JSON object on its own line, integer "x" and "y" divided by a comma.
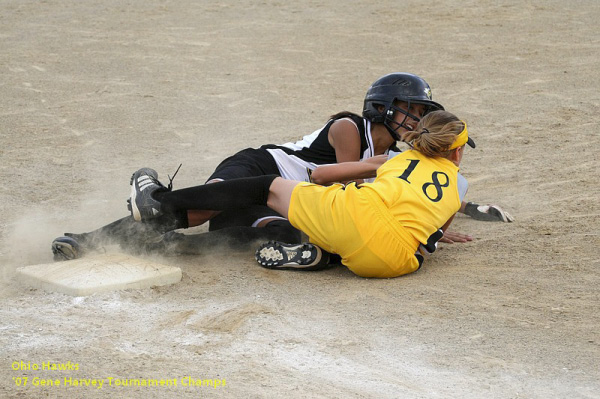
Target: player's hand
{"x": 488, "y": 213}
{"x": 451, "y": 237}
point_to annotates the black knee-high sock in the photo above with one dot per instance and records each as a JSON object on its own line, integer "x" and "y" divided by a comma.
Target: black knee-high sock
{"x": 220, "y": 196}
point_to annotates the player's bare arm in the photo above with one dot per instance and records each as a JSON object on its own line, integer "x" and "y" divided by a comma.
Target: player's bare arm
{"x": 348, "y": 171}
{"x": 344, "y": 138}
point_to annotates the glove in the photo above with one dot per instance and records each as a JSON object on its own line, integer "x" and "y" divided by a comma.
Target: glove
{"x": 488, "y": 213}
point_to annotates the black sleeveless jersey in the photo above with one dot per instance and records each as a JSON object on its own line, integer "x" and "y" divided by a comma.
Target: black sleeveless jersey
{"x": 297, "y": 160}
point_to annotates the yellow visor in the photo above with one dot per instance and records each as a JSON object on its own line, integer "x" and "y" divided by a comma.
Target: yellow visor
{"x": 462, "y": 139}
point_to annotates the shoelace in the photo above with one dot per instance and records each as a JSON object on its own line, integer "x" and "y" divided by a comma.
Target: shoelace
{"x": 169, "y": 187}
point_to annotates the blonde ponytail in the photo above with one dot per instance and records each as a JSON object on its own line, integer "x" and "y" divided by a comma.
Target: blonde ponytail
{"x": 435, "y": 134}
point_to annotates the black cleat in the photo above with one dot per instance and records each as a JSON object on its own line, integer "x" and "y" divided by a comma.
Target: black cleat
{"x": 144, "y": 183}
{"x": 66, "y": 248}
{"x": 277, "y": 255}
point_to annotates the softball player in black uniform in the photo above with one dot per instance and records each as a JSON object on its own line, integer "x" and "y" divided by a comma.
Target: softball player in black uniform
{"x": 393, "y": 105}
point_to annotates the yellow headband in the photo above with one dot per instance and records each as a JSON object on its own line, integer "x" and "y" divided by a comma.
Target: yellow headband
{"x": 461, "y": 139}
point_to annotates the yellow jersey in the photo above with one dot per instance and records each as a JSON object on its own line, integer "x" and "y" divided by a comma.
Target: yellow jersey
{"x": 377, "y": 227}
{"x": 421, "y": 193}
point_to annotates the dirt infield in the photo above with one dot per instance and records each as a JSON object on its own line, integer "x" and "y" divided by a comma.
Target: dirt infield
{"x": 92, "y": 90}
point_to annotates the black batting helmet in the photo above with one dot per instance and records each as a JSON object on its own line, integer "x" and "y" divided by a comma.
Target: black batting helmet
{"x": 399, "y": 86}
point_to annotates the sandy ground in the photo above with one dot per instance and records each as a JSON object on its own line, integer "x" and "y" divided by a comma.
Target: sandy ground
{"x": 91, "y": 91}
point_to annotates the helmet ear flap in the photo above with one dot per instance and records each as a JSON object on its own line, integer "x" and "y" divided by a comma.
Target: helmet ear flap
{"x": 380, "y": 118}
{"x": 371, "y": 111}
{"x": 383, "y": 117}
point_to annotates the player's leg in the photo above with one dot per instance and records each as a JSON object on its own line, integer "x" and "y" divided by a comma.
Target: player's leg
{"x": 225, "y": 195}
{"x": 281, "y": 246}
{"x": 238, "y": 238}
{"x": 245, "y": 163}
{"x": 235, "y": 194}
{"x": 234, "y": 229}
{"x": 237, "y": 229}
{"x": 280, "y": 194}
{"x": 129, "y": 234}
{"x": 252, "y": 220}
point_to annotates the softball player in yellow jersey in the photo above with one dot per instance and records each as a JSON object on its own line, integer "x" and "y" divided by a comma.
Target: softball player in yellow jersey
{"x": 377, "y": 228}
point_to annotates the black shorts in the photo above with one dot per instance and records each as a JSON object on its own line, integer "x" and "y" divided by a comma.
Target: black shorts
{"x": 245, "y": 163}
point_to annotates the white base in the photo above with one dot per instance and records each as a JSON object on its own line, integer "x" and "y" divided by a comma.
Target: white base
{"x": 101, "y": 273}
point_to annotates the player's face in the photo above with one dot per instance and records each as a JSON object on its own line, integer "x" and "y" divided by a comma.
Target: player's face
{"x": 415, "y": 113}
{"x": 408, "y": 121}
